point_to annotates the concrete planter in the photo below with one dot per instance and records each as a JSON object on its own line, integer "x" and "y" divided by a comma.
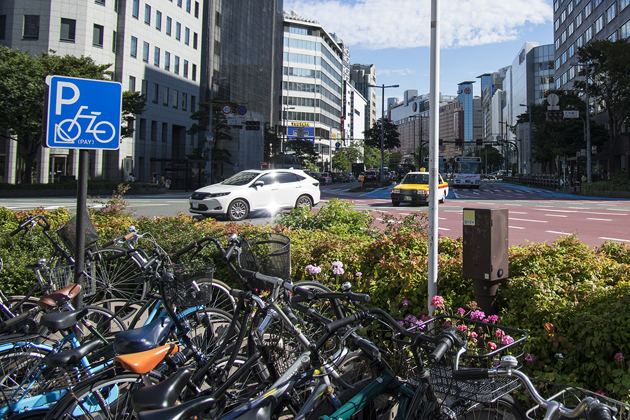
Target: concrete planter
{"x": 102, "y": 192}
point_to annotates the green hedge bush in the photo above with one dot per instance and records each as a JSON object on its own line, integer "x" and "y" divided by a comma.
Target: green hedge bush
{"x": 573, "y": 300}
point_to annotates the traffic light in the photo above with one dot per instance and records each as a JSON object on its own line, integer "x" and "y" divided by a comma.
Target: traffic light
{"x": 479, "y": 142}
{"x": 459, "y": 142}
{"x": 252, "y": 125}
{"x": 441, "y": 142}
{"x": 555, "y": 116}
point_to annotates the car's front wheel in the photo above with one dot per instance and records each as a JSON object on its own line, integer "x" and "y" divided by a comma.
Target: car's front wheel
{"x": 304, "y": 201}
{"x": 395, "y": 203}
{"x": 443, "y": 199}
{"x": 238, "y": 210}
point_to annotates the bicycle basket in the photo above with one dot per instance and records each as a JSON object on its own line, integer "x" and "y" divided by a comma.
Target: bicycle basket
{"x": 571, "y": 397}
{"x": 268, "y": 254}
{"x": 68, "y": 233}
{"x": 182, "y": 292}
{"x": 486, "y": 344}
{"x": 63, "y": 276}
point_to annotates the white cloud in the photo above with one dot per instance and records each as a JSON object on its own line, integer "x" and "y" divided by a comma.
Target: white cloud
{"x": 379, "y": 24}
{"x": 396, "y": 72}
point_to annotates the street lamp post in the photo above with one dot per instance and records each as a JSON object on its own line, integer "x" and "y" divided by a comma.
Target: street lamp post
{"x": 285, "y": 130}
{"x": 383, "y": 123}
{"x": 529, "y": 132}
{"x": 210, "y": 133}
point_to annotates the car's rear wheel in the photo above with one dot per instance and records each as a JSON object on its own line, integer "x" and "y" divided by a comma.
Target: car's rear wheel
{"x": 304, "y": 201}
{"x": 395, "y": 203}
{"x": 443, "y": 199}
{"x": 238, "y": 210}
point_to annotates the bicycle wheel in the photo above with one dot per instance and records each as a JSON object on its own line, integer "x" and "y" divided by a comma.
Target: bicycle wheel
{"x": 207, "y": 328}
{"x": 101, "y": 321}
{"x": 21, "y": 374}
{"x": 219, "y": 294}
{"x": 505, "y": 408}
{"x": 101, "y": 398}
{"x": 113, "y": 275}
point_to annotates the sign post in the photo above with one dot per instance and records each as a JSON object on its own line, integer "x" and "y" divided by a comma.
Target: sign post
{"x": 83, "y": 114}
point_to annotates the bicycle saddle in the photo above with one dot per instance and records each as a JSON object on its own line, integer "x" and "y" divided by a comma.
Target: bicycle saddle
{"x": 72, "y": 356}
{"x": 143, "y": 338}
{"x": 179, "y": 412}
{"x": 59, "y": 297}
{"x": 145, "y": 361}
{"x": 163, "y": 394}
{"x": 62, "y": 320}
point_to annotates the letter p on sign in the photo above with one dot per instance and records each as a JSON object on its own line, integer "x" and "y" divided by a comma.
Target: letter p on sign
{"x": 61, "y": 86}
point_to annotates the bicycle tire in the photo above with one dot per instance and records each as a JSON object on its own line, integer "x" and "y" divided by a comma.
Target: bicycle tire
{"x": 92, "y": 397}
{"x": 220, "y": 297}
{"x": 208, "y": 328}
{"x": 505, "y": 408}
{"x": 16, "y": 365}
{"x": 105, "y": 322}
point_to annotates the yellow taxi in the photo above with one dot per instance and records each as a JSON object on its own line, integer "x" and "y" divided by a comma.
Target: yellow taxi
{"x": 414, "y": 189}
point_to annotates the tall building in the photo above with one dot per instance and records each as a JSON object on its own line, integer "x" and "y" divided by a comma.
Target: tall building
{"x": 364, "y": 75}
{"x": 171, "y": 52}
{"x": 312, "y": 90}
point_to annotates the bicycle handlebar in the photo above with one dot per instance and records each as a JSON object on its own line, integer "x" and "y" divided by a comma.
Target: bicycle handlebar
{"x": 38, "y": 218}
{"x": 276, "y": 281}
{"x": 598, "y": 410}
{"x": 124, "y": 238}
{"x": 199, "y": 244}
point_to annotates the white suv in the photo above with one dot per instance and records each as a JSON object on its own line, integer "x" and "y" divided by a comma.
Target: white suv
{"x": 253, "y": 190}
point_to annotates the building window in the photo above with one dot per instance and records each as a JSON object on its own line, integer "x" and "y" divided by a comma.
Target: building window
{"x": 623, "y": 4}
{"x": 165, "y": 93}
{"x": 143, "y": 129}
{"x": 178, "y": 31}
{"x": 195, "y": 40}
{"x": 186, "y": 69}
{"x": 569, "y": 8}
{"x": 145, "y": 52}
{"x": 564, "y": 58}
{"x": 176, "y": 70}
{"x": 193, "y": 103}
{"x": 147, "y": 14}
{"x": 570, "y": 28}
{"x": 68, "y": 29}
{"x": 578, "y": 19}
{"x": 187, "y": 36}
{"x": 164, "y": 132}
{"x": 596, "y": 3}
{"x": 154, "y": 130}
{"x": 175, "y": 98}
{"x": 184, "y": 101}
{"x": 556, "y": 25}
{"x": 588, "y": 9}
{"x": 156, "y": 57}
{"x": 133, "y": 51}
{"x": 179, "y": 3}
{"x": 599, "y": 24}
{"x": 564, "y": 78}
{"x": 579, "y": 42}
{"x": 624, "y": 30}
{"x": 558, "y": 84}
{"x": 169, "y": 22}
{"x": 217, "y": 19}
{"x": 135, "y": 9}
{"x": 611, "y": 13}
{"x": 194, "y": 72}
{"x": 563, "y": 37}
{"x": 557, "y": 44}
{"x": 217, "y": 47}
{"x": 132, "y": 83}
{"x": 144, "y": 88}
{"x": 158, "y": 20}
{"x": 31, "y": 26}
{"x": 156, "y": 93}
{"x": 167, "y": 61}
{"x": 97, "y": 35}
{"x": 572, "y": 50}
{"x": 101, "y": 2}
{"x": 613, "y": 37}
{"x": 571, "y": 73}
{"x": 563, "y": 16}
{"x": 588, "y": 34}
{"x": 556, "y": 4}
{"x": 114, "y": 38}
{"x": 558, "y": 62}
{"x": 188, "y": 2}
{"x": 3, "y": 26}
{"x": 196, "y": 9}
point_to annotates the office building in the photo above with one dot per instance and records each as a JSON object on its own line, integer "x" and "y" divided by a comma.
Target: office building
{"x": 364, "y": 75}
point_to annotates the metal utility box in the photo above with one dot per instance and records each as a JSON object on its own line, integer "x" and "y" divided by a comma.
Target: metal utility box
{"x": 485, "y": 250}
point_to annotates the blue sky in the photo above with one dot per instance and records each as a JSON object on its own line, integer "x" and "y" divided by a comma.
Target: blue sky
{"x": 477, "y": 36}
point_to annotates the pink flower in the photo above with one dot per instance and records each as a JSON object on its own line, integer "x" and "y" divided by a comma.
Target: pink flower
{"x": 499, "y": 333}
{"x": 461, "y": 311}
{"x": 602, "y": 393}
{"x": 529, "y": 357}
{"x": 619, "y": 357}
{"x": 437, "y": 301}
{"x": 359, "y": 274}
{"x": 507, "y": 340}
{"x": 473, "y": 335}
{"x": 447, "y": 323}
{"x": 462, "y": 328}
{"x": 493, "y": 318}
{"x": 492, "y": 345}
{"x": 477, "y": 315}
{"x": 405, "y": 303}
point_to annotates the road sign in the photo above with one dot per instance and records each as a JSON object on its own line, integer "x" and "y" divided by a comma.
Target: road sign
{"x": 553, "y": 99}
{"x": 234, "y": 121}
{"x": 226, "y": 109}
{"x": 235, "y": 165}
{"x": 571, "y": 114}
{"x": 83, "y": 113}
{"x": 241, "y": 110}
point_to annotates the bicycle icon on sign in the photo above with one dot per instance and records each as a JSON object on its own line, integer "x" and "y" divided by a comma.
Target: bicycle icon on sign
{"x": 69, "y": 130}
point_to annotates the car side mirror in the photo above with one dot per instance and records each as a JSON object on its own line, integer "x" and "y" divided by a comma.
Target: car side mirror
{"x": 258, "y": 184}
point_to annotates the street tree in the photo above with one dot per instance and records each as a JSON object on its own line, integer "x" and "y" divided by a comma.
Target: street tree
{"x": 352, "y": 153}
{"x": 273, "y": 144}
{"x": 304, "y": 150}
{"x": 606, "y": 65}
{"x": 372, "y": 157}
{"x": 391, "y": 136}
{"x": 394, "y": 160}
{"x": 23, "y": 95}
{"x": 340, "y": 162}
{"x": 550, "y": 140}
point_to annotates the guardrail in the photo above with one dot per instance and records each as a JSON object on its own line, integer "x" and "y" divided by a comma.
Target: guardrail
{"x": 542, "y": 180}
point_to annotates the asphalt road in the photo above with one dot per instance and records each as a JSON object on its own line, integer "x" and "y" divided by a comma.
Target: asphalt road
{"x": 535, "y": 215}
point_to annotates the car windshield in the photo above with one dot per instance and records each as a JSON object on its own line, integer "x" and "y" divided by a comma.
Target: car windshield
{"x": 241, "y": 178}
{"x": 416, "y": 179}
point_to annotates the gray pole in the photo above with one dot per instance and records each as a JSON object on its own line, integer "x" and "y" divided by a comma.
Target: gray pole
{"x": 209, "y": 161}
{"x": 79, "y": 257}
{"x": 434, "y": 130}
{"x": 382, "y": 132}
{"x": 588, "y": 131}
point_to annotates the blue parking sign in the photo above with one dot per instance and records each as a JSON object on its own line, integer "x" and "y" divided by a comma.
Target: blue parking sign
{"x": 83, "y": 113}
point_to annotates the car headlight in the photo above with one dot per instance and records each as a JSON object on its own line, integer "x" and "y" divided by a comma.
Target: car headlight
{"x": 396, "y": 191}
{"x": 221, "y": 194}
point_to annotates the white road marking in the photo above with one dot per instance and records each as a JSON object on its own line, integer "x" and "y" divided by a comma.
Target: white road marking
{"x": 561, "y": 211}
{"x": 614, "y": 239}
{"x": 518, "y": 212}
{"x": 556, "y": 215}
{"x": 439, "y": 228}
{"x": 516, "y": 227}
{"x": 529, "y": 220}
{"x": 603, "y": 220}
{"x": 558, "y": 233}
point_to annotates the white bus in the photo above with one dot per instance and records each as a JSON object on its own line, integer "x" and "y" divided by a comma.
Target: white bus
{"x": 467, "y": 172}
{"x": 442, "y": 166}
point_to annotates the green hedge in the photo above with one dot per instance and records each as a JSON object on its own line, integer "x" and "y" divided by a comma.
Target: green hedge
{"x": 573, "y": 300}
